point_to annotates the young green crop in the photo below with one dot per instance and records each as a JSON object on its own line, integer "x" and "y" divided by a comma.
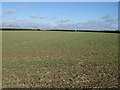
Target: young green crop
{"x": 59, "y": 59}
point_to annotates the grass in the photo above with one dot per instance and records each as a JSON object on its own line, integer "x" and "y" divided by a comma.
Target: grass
{"x": 59, "y": 59}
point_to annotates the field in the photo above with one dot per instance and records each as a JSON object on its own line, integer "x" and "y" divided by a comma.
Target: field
{"x": 48, "y": 59}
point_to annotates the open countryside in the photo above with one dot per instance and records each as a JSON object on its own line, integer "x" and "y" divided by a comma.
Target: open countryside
{"x": 60, "y": 45}
{"x": 56, "y": 59}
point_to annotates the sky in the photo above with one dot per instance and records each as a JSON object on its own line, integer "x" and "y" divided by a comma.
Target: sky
{"x": 60, "y": 15}
{"x": 60, "y": 0}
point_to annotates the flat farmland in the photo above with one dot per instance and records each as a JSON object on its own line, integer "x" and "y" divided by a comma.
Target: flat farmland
{"x": 48, "y": 59}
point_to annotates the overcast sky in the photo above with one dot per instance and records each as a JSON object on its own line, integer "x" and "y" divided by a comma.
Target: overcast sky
{"x": 60, "y": 15}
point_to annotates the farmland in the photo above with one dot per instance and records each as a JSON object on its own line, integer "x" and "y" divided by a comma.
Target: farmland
{"x": 48, "y": 59}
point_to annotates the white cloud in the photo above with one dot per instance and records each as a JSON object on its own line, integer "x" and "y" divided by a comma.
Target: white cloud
{"x": 43, "y": 17}
{"x": 1, "y": 15}
{"x": 21, "y": 6}
{"x": 34, "y": 16}
{"x": 64, "y": 21}
{"x": 111, "y": 20}
{"x": 88, "y": 25}
{"x": 24, "y": 23}
{"x": 38, "y": 16}
{"x": 85, "y": 25}
{"x": 105, "y": 17}
{"x": 10, "y": 11}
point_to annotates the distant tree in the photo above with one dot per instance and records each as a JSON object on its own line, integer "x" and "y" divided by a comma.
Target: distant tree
{"x": 38, "y": 29}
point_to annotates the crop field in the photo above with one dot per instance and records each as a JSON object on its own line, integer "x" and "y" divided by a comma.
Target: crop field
{"x": 51, "y": 59}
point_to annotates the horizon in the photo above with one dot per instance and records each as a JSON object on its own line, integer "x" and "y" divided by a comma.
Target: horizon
{"x": 60, "y": 15}
{"x": 51, "y": 29}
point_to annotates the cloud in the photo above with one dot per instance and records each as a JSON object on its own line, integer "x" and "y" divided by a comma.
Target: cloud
{"x": 82, "y": 25}
{"x": 64, "y": 21}
{"x": 43, "y": 17}
{"x": 86, "y": 25}
{"x": 1, "y": 15}
{"x": 112, "y": 20}
{"x": 21, "y": 6}
{"x": 19, "y": 23}
{"x": 109, "y": 20}
{"x": 10, "y": 11}
{"x": 24, "y": 23}
{"x": 38, "y": 16}
{"x": 105, "y": 17}
{"x": 34, "y": 16}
